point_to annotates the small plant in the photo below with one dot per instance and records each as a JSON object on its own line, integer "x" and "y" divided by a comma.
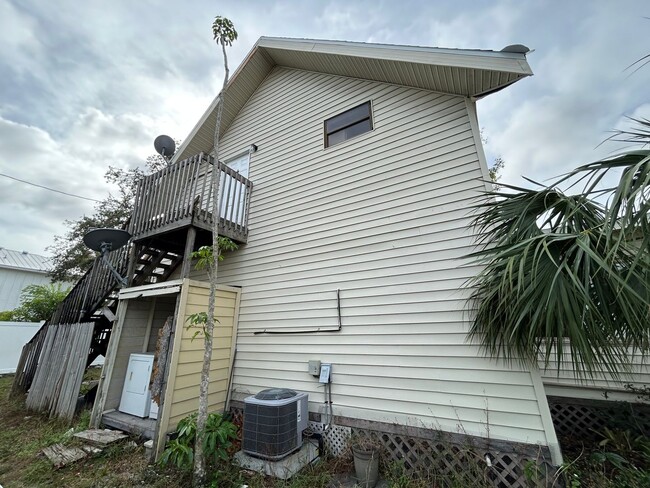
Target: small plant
{"x": 532, "y": 472}
{"x": 199, "y": 320}
{"x": 204, "y": 255}
{"x": 177, "y": 454}
{"x": 397, "y": 476}
{"x": 219, "y": 434}
{"x": 217, "y": 439}
{"x": 625, "y": 443}
{"x": 364, "y": 443}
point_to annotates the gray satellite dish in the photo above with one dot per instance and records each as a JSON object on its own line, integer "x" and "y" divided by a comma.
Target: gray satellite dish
{"x": 165, "y": 146}
{"x": 516, "y": 48}
{"x": 105, "y": 241}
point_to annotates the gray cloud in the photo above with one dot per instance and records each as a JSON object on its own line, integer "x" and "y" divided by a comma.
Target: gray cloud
{"x": 87, "y": 84}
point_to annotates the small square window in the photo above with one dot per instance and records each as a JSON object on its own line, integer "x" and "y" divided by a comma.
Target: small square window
{"x": 351, "y": 123}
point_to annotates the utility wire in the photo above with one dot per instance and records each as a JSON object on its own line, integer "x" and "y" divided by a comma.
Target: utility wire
{"x": 48, "y": 188}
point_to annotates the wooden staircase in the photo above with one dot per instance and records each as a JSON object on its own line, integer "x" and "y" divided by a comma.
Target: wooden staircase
{"x": 155, "y": 266}
{"x": 97, "y": 289}
{"x": 94, "y": 299}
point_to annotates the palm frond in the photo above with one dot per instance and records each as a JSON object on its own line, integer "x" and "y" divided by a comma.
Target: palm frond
{"x": 566, "y": 277}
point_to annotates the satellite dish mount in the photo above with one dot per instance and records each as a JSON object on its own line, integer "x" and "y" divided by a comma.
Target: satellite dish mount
{"x": 105, "y": 241}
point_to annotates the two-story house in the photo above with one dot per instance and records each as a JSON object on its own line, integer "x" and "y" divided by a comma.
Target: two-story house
{"x": 349, "y": 171}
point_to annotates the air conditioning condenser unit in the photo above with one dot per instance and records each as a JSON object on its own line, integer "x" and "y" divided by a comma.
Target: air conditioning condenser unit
{"x": 273, "y": 423}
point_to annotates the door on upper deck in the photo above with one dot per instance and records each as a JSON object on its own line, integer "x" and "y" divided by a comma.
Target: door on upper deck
{"x": 232, "y": 207}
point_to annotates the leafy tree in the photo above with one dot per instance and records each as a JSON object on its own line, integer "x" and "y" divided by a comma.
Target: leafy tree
{"x": 38, "y": 302}
{"x": 494, "y": 170}
{"x": 224, "y": 34}
{"x": 71, "y": 258}
{"x": 7, "y": 316}
{"x": 568, "y": 274}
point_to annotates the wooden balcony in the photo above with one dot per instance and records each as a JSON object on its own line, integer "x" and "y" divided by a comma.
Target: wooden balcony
{"x": 180, "y": 195}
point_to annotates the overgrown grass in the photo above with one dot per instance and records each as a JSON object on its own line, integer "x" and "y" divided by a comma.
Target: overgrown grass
{"x": 24, "y": 434}
{"x": 620, "y": 460}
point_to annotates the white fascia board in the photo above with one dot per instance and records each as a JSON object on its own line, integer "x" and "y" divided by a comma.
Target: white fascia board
{"x": 462, "y": 58}
{"x": 165, "y": 288}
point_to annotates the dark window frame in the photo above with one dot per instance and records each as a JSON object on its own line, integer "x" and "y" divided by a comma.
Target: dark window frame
{"x": 341, "y": 125}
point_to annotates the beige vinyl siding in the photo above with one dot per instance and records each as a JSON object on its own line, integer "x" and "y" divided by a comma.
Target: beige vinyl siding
{"x": 384, "y": 217}
{"x": 181, "y": 398}
{"x": 564, "y": 382}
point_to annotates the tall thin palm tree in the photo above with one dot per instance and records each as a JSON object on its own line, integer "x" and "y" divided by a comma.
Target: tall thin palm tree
{"x": 566, "y": 274}
{"x": 224, "y": 34}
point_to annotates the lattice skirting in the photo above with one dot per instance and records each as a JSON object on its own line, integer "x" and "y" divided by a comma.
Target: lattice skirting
{"x": 583, "y": 419}
{"x": 455, "y": 463}
{"x": 335, "y": 440}
{"x": 463, "y": 459}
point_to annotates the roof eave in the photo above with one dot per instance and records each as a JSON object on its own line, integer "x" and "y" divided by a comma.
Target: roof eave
{"x": 465, "y": 58}
{"x": 515, "y": 64}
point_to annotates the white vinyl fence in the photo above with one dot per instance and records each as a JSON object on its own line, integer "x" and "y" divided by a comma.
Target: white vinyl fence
{"x": 13, "y": 336}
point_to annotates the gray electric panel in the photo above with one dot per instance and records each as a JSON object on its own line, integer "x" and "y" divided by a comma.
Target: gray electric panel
{"x": 273, "y": 423}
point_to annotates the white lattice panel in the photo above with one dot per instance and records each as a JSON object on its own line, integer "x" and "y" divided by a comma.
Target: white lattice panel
{"x": 335, "y": 439}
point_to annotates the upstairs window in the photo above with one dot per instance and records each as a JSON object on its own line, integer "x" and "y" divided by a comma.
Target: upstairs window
{"x": 351, "y": 123}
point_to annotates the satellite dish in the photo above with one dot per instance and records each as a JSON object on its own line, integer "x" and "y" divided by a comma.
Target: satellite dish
{"x": 516, "y": 48}
{"x": 106, "y": 240}
{"x": 165, "y": 146}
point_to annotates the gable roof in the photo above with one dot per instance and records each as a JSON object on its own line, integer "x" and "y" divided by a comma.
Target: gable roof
{"x": 24, "y": 261}
{"x": 464, "y": 72}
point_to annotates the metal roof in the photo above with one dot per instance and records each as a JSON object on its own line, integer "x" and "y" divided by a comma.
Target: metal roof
{"x": 24, "y": 261}
{"x": 469, "y": 73}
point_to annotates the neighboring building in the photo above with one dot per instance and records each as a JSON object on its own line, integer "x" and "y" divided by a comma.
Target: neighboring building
{"x": 19, "y": 269}
{"x": 366, "y": 160}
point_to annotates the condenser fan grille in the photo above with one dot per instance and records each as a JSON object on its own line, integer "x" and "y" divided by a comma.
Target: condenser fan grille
{"x": 273, "y": 424}
{"x": 270, "y": 431}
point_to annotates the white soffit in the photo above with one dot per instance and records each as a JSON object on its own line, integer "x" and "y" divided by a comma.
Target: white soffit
{"x": 165, "y": 288}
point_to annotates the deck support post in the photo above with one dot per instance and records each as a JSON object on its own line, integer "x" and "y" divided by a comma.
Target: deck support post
{"x": 187, "y": 255}
{"x": 134, "y": 252}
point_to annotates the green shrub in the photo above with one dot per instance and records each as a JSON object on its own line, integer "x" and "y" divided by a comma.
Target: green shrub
{"x": 218, "y": 437}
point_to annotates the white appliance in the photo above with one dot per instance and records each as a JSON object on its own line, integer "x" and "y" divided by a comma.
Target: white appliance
{"x": 136, "y": 397}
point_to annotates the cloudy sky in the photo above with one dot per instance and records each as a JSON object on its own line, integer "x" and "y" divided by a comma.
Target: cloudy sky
{"x": 85, "y": 85}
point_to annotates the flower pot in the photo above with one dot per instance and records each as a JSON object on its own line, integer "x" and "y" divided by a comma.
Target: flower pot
{"x": 366, "y": 467}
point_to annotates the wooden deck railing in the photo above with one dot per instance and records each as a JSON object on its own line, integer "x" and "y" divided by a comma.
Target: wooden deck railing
{"x": 91, "y": 290}
{"x": 181, "y": 195}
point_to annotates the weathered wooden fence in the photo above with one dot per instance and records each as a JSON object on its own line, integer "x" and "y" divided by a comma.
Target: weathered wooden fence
{"x": 61, "y": 364}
